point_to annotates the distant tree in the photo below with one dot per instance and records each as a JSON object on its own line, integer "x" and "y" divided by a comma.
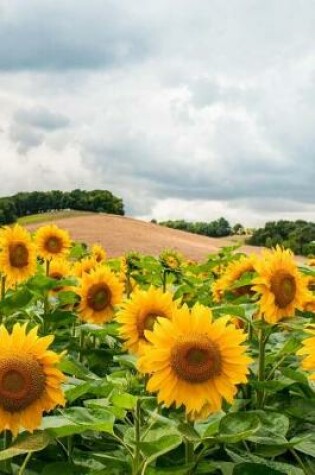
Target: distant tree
{"x": 25, "y": 203}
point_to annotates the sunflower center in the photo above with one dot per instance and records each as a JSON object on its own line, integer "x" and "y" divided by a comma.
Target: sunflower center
{"x": 196, "y": 359}
{"x": 18, "y": 255}
{"x": 283, "y": 286}
{"x": 53, "y": 244}
{"x": 99, "y": 297}
{"x": 56, "y": 275}
{"x": 146, "y": 322}
{"x": 22, "y": 381}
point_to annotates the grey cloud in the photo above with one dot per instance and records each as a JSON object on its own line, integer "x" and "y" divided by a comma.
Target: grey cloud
{"x": 50, "y": 35}
{"x": 25, "y": 137}
{"x": 41, "y": 118}
{"x": 30, "y": 127}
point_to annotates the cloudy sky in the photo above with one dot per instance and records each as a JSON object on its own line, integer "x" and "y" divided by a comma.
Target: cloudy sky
{"x": 185, "y": 109}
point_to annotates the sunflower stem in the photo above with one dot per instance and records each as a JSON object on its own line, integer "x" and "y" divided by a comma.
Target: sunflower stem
{"x": 189, "y": 455}
{"x": 3, "y": 279}
{"x": 128, "y": 284}
{"x": 164, "y": 279}
{"x": 261, "y": 367}
{"x": 136, "y": 466}
{"x": 82, "y": 340}
{"x": 47, "y": 267}
{"x": 23, "y": 466}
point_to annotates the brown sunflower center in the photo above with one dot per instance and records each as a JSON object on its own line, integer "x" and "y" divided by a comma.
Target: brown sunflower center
{"x": 196, "y": 359}
{"x": 22, "y": 381}
{"x": 56, "y": 275}
{"x": 99, "y": 297}
{"x": 18, "y": 255}
{"x": 147, "y": 321}
{"x": 54, "y": 244}
{"x": 283, "y": 286}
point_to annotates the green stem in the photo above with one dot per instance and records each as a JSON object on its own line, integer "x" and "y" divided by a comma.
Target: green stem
{"x": 47, "y": 267}
{"x": 189, "y": 455}
{"x": 164, "y": 279}
{"x": 276, "y": 366}
{"x": 128, "y": 284}
{"x": 300, "y": 462}
{"x": 136, "y": 468}
{"x": 3, "y": 279}
{"x": 82, "y": 338}
{"x": 190, "y": 451}
{"x": 261, "y": 368}
{"x": 26, "y": 460}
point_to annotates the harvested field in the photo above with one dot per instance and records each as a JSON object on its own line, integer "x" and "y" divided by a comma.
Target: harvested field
{"x": 120, "y": 234}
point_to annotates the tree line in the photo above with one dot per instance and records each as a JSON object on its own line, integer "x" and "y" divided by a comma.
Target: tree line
{"x": 34, "y": 202}
{"x": 299, "y": 236}
{"x": 218, "y": 228}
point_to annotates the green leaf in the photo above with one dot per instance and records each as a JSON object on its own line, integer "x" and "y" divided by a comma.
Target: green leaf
{"x": 159, "y": 442}
{"x": 250, "y": 458}
{"x": 73, "y": 367}
{"x": 306, "y": 446}
{"x": 254, "y": 469}
{"x": 188, "y": 432}
{"x": 78, "y": 419}
{"x": 124, "y": 400}
{"x": 13, "y": 301}
{"x": 211, "y": 427}
{"x": 26, "y": 443}
{"x": 274, "y": 425}
{"x": 237, "y": 426}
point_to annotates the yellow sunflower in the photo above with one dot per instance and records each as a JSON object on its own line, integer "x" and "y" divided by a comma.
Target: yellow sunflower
{"x": 194, "y": 361}
{"x": 59, "y": 269}
{"x": 30, "y": 384}
{"x": 232, "y": 273}
{"x": 85, "y": 266}
{"x": 281, "y": 286}
{"x": 171, "y": 259}
{"x": 311, "y": 263}
{"x": 52, "y": 241}
{"x": 140, "y": 312}
{"x": 308, "y": 351}
{"x": 98, "y": 253}
{"x": 18, "y": 254}
{"x": 100, "y": 291}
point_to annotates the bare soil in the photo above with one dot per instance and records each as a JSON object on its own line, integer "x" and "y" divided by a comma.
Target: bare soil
{"x": 120, "y": 234}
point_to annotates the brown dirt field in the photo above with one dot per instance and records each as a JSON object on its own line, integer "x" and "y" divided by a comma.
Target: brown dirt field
{"x": 120, "y": 234}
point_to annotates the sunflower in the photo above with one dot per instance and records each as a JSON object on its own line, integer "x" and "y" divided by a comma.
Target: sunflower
{"x": 281, "y": 286}
{"x": 233, "y": 272}
{"x": 311, "y": 263}
{"x": 98, "y": 253}
{"x": 52, "y": 241}
{"x": 308, "y": 351}
{"x": 171, "y": 259}
{"x": 140, "y": 312}
{"x": 59, "y": 269}
{"x": 18, "y": 254}
{"x": 100, "y": 291}
{"x": 85, "y": 266}
{"x": 194, "y": 361}
{"x": 30, "y": 384}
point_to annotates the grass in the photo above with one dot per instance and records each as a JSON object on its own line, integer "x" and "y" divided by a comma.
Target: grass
{"x": 50, "y": 216}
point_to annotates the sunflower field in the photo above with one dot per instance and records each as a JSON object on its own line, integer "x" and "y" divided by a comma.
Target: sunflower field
{"x": 149, "y": 365}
